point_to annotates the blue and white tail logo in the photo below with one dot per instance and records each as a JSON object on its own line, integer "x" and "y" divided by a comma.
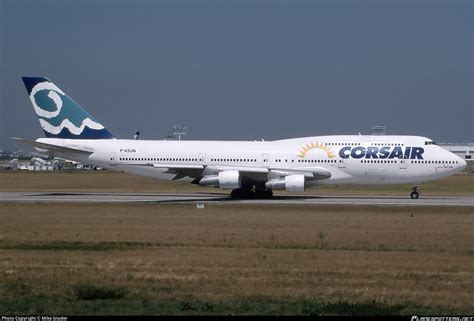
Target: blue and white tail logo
{"x": 59, "y": 115}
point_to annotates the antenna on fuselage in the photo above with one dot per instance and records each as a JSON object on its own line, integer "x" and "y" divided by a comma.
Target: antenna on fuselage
{"x": 136, "y": 136}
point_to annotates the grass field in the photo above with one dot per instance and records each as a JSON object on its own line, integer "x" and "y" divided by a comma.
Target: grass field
{"x": 230, "y": 259}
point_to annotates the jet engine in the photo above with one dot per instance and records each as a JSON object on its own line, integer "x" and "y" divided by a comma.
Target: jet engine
{"x": 290, "y": 183}
{"x": 225, "y": 179}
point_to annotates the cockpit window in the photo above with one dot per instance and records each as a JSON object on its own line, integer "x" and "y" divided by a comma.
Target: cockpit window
{"x": 430, "y": 142}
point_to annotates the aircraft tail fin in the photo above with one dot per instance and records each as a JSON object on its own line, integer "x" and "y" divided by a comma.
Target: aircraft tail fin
{"x": 59, "y": 115}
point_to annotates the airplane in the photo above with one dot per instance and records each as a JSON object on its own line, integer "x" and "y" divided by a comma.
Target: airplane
{"x": 248, "y": 168}
{"x": 13, "y": 164}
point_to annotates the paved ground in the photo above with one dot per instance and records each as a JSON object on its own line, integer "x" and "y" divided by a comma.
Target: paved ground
{"x": 208, "y": 197}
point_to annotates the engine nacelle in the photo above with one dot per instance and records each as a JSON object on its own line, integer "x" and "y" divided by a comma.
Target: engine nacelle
{"x": 225, "y": 179}
{"x": 229, "y": 179}
{"x": 290, "y": 183}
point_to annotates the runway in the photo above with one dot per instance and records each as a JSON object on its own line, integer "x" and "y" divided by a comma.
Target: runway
{"x": 198, "y": 198}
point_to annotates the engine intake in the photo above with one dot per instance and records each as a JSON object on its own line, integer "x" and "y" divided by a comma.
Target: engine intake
{"x": 290, "y": 183}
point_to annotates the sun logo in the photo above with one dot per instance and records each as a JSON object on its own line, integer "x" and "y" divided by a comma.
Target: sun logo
{"x": 305, "y": 149}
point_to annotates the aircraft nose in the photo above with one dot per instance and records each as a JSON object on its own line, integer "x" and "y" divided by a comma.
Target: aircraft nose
{"x": 462, "y": 163}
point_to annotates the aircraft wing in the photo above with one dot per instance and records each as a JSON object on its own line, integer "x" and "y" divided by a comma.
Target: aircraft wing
{"x": 256, "y": 173}
{"x": 242, "y": 169}
{"x": 311, "y": 173}
{"x": 72, "y": 150}
{"x": 198, "y": 171}
{"x": 252, "y": 173}
{"x": 181, "y": 171}
{"x": 177, "y": 167}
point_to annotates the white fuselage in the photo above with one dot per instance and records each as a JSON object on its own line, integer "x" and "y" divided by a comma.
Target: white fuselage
{"x": 355, "y": 159}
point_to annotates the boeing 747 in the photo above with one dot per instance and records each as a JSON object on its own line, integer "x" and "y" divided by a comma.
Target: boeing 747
{"x": 248, "y": 168}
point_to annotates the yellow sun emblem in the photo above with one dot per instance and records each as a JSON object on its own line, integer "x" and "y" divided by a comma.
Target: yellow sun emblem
{"x": 308, "y": 147}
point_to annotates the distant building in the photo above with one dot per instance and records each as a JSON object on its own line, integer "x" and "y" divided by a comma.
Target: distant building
{"x": 465, "y": 151}
{"x": 5, "y": 154}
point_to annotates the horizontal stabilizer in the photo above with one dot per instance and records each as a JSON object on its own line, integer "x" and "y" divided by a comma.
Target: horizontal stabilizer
{"x": 75, "y": 150}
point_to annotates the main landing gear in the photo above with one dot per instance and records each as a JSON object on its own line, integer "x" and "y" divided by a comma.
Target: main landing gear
{"x": 241, "y": 193}
{"x": 414, "y": 194}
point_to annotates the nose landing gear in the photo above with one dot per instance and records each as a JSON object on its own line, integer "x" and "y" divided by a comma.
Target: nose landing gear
{"x": 414, "y": 194}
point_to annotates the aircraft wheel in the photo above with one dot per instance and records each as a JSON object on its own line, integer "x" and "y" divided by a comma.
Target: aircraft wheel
{"x": 236, "y": 193}
{"x": 263, "y": 193}
{"x": 414, "y": 195}
{"x": 241, "y": 193}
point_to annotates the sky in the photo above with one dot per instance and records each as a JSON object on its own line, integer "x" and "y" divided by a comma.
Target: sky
{"x": 244, "y": 70}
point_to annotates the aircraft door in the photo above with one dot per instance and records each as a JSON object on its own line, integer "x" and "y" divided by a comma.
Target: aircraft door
{"x": 403, "y": 163}
{"x": 265, "y": 160}
{"x": 341, "y": 163}
{"x": 202, "y": 158}
{"x": 113, "y": 159}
